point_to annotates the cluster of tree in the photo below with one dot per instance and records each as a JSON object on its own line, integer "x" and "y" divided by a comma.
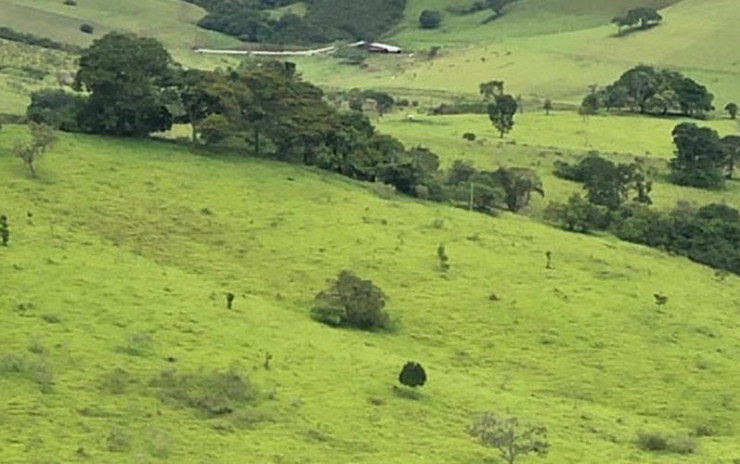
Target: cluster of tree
{"x": 31, "y": 39}
{"x": 640, "y": 18}
{"x": 657, "y": 91}
{"x": 134, "y": 88}
{"x": 617, "y": 200}
{"x": 607, "y": 184}
{"x": 703, "y": 159}
{"x": 496, "y": 6}
{"x": 251, "y": 21}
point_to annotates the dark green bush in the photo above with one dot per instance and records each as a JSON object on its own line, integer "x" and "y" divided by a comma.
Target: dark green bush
{"x": 351, "y": 302}
{"x": 87, "y": 28}
{"x": 430, "y": 19}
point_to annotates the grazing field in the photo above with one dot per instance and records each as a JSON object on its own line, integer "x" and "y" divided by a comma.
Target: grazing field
{"x": 119, "y": 275}
{"x": 697, "y": 37}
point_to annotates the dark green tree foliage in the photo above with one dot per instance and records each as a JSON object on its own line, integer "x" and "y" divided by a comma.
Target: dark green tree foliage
{"x": 700, "y": 157}
{"x": 640, "y": 17}
{"x": 606, "y": 183}
{"x": 709, "y": 235}
{"x": 4, "y": 230}
{"x": 326, "y": 20}
{"x": 56, "y": 108}
{"x": 430, "y": 19}
{"x": 647, "y": 90}
{"x": 409, "y": 169}
{"x": 731, "y": 109}
{"x": 505, "y": 435}
{"x": 547, "y": 106}
{"x": 412, "y": 375}
{"x": 578, "y": 215}
{"x": 351, "y": 302}
{"x": 518, "y": 185}
{"x": 490, "y": 89}
{"x": 501, "y": 113}
{"x": 128, "y": 78}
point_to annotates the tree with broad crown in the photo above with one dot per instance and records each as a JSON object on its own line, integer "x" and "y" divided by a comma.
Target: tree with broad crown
{"x": 130, "y": 83}
{"x": 700, "y": 158}
{"x": 519, "y": 183}
{"x": 412, "y": 375}
{"x": 504, "y": 434}
{"x": 731, "y": 109}
{"x": 501, "y": 113}
{"x": 351, "y": 302}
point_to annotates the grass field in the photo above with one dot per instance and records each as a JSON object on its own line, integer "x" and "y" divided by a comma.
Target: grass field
{"x": 539, "y": 53}
{"x": 132, "y": 245}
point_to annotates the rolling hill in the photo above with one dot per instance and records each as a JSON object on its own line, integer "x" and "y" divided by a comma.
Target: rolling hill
{"x": 117, "y": 277}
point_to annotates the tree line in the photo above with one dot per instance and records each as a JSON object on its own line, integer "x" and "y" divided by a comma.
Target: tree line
{"x": 252, "y": 21}
{"x": 131, "y": 87}
{"x": 647, "y": 90}
{"x": 617, "y": 197}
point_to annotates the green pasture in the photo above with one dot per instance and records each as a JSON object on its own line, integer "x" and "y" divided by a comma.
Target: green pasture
{"x": 170, "y": 21}
{"x": 537, "y": 141}
{"x": 130, "y": 246}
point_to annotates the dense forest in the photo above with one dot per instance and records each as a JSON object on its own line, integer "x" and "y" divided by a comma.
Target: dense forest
{"x": 325, "y": 20}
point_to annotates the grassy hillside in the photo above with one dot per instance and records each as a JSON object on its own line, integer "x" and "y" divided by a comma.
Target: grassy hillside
{"x": 132, "y": 244}
{"x": 170, "y": 21}
{"x": 527, "y": 50}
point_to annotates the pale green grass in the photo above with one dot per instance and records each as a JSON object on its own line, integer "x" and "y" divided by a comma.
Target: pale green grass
{"x": 537, "y": 141}
{"x": 16, "y": 83}
{"x": 557, "y": 65}
{"x": 170, "y": 21}
{"x": 120, "y": 244}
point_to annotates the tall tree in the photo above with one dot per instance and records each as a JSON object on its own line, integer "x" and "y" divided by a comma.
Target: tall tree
{"x": 518, "y": 185}
{"x": 508, "y": 437}
{"x": 501, "y": 113}
{"x": 700, "y": 157}
{"x": 42, "y": 138}
{"x": 130, "y": 80}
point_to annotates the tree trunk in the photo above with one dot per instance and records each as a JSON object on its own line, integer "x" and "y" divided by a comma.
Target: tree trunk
{"x": 256, "y": 141}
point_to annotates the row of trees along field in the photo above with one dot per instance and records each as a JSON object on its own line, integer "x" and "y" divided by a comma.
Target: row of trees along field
{"x": 132, "y": 87}
{"x": 252, "y": 21}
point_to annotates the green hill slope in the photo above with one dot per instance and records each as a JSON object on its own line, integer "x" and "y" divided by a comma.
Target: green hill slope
{"x": 525, "y": 50}
{"x": 132, "y": 244}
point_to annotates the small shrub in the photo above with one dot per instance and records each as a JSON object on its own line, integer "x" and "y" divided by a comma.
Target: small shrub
{"x": 216, "y": 393}
{"x": 70, "y": 2}
{"x": 351, "y": 302}
{"x": 430, "y": 19}
{"x": 659, "y": 441}
{"x": 118, "y": 440}
{"x": 469, "y": 136}
{"x": 138, "y": 344}
{"x": 117, "y": 381}
{"x": 412, "y": 375}
{"x": 87, "y": 28}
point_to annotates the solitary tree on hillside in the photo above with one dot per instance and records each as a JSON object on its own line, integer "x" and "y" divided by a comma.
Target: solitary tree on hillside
{"x": 504, "y": 434}
{"x": 412, "y": 375}
{"x": 731, "y": 109}
{"x": 501, "y": 113}
{"x": 42, "y": 138}
{"x": 642, "y": 17}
